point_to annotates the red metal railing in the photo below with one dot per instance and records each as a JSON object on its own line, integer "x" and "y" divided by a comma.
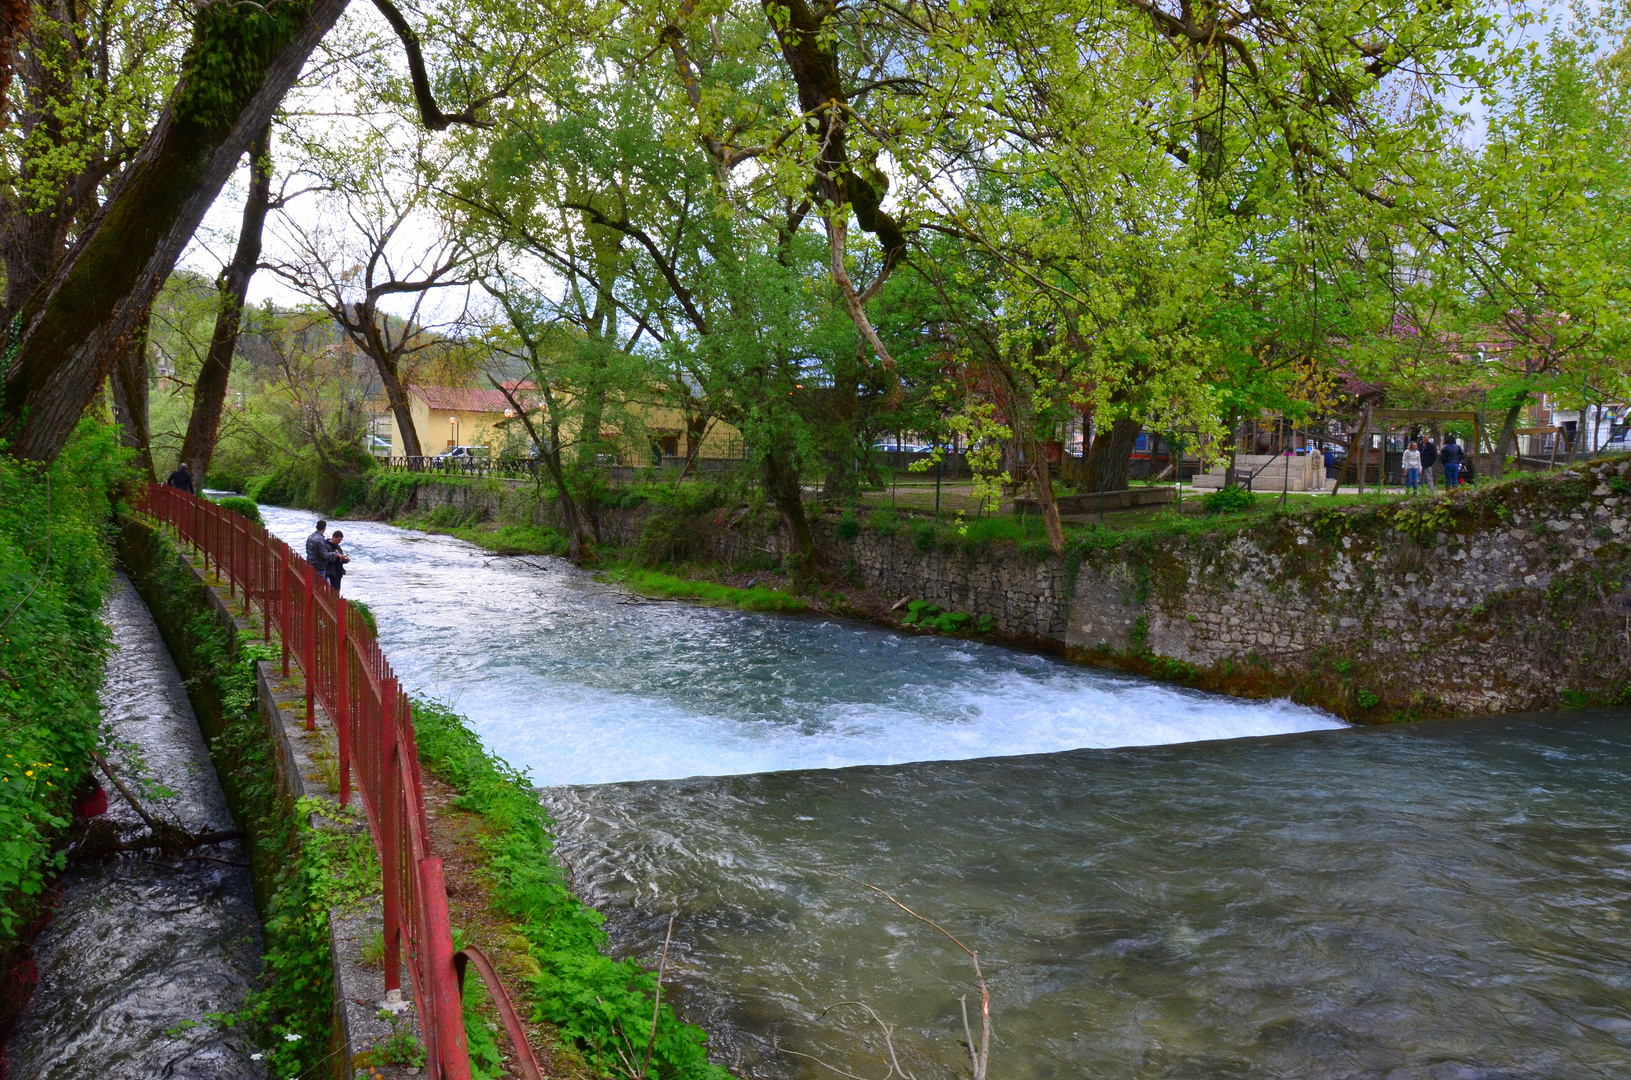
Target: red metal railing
{"x": 373, "y": 722}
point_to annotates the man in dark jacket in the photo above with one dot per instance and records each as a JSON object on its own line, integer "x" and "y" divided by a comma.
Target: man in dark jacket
{"x": 181, "y": 479}
{"x": 1452, "y": 458}
{"x": 1429, "y": 458}
{"x": 317, "y": 548}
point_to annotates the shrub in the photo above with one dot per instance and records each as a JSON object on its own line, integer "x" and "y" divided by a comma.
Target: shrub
{"x": 928, "y": 616}
{"x": 1230, "y": 500}
{"x": 923, "y": 536}
{"x": 1367, "y": 699}
{"x": 848, "y": 528}
{"x": 243, "y": 506}
{"x": 885, "y": 522}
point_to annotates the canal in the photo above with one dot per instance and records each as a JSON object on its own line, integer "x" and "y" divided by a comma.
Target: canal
{"x": 1158, "y": 882}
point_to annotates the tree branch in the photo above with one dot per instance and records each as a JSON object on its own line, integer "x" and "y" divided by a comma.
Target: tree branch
{"x": 430, "y": 114}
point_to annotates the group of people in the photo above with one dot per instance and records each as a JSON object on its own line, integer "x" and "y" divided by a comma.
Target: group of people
{"x": 325, "y": 553}
{"x": 1420, "y": 457}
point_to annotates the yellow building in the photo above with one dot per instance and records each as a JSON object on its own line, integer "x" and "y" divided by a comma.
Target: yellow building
{"x": 449, "y": 416}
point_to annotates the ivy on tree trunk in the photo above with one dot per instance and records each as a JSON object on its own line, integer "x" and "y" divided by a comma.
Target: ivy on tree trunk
{"x": 60, "y": 345}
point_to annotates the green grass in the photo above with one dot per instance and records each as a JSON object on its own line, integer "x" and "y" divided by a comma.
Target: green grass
{"x": 598, "y": 1004}
{"x": 499, "y": 539}
{"x": 663, "y": 586}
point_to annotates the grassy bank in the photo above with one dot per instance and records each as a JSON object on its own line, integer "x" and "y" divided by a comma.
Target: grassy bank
{"x": 55, "y": 571}
{"x": 601, "y": 1006}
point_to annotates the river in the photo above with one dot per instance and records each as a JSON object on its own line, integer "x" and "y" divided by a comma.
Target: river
{"x": 1159, "y": 883}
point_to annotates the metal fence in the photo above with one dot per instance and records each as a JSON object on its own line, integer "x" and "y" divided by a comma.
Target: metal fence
{"x": 348, "y": 674}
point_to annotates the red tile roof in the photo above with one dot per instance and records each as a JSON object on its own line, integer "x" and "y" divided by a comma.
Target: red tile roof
{"x": 467, "y": 398}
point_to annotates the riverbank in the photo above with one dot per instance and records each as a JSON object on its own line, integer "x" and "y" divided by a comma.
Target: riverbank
{"x": 1355, "y": 609}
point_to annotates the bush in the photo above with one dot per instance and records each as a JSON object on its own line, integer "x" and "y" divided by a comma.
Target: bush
{"x": 848, "y": 527}
{"x": 55, "y": 572}
{"x": 1230, "y": 500}
{"x": 924, "y": 536}
{"x": 884, "y": 522}
{"x": 243, "y": 506}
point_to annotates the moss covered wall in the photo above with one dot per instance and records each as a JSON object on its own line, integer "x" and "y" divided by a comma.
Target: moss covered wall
{"x": 1512, "y": 598}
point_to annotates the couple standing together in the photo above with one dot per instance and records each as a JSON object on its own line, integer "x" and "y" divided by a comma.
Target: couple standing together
{"x": 1419, "y": 458}
{"x": 324, "y": 553}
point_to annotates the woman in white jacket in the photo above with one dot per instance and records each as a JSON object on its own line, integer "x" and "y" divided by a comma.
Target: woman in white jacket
{"x": 1412, "y": 468}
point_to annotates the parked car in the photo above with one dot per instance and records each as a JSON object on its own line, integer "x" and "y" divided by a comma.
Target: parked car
{"x": 459, "y": 455}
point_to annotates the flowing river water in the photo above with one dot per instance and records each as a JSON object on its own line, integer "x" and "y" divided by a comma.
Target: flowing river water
{"x": 1158, "y": 882}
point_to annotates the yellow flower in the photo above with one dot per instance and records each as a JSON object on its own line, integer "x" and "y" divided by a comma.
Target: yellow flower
{"x": 28, "y": 772}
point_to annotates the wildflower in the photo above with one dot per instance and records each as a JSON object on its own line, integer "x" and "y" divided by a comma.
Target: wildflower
{"x": 28, "y": 772}
{"x": 256, "y": 1057}
{"x": 291, "y": 1037}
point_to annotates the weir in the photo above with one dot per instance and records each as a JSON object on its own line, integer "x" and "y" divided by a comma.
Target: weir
{"x": 1269, "y": 894}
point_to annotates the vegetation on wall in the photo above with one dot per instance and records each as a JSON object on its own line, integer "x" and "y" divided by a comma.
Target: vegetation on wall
{"x": 55, "y": 572}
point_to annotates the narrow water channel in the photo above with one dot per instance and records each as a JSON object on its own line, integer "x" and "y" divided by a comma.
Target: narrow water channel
{"x": 141, "y": 949}
{"x": 1159, "y": 883}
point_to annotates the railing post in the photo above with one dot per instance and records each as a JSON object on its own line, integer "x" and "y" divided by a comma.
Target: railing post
{"x": 388, "y": 791}
{"x": 342, "y": 694}
{"x": 451, "y": 1050}
{"x": 267, "y": 553}
{"x": 232, "y": 556}
{"x": 308, "y": 647}
{"x": 283, "y": 604}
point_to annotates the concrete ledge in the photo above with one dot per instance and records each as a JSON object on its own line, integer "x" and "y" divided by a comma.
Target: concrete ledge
{"x": 1089, "y": 502}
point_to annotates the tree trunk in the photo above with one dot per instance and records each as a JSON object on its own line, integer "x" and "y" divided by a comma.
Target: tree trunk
{"x": 594, "y": 410}
{"x": 130, "y": 394}
{"x": 1109, "y": 461}
{"x": 67, "y": 332}
{"x": 1508, "y": 425}
{"x": 1234, "y": 447}
{"x": 210, "y": 390}
{"x": 782, "y": 482}
{"x": 397, "y": 395}
{"x": 579, "y": 548}
{"x": 1042, "y": 486}
{"x": 1354, "y": 446}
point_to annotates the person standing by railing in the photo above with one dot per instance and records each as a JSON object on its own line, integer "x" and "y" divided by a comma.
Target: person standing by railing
{"x": 181, "y": 479}
{"x": 317, "y": 549}
{"x": 1412, "y": 468}
{"x": 337, "y": 558}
